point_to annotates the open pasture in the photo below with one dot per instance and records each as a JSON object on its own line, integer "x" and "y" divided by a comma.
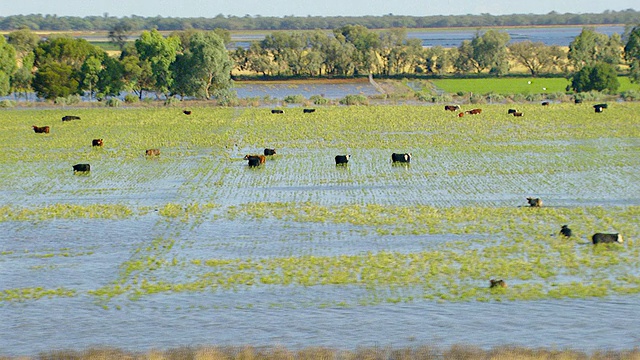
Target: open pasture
{"x": 196, "y": 232}
{"x": 523, "y": 85}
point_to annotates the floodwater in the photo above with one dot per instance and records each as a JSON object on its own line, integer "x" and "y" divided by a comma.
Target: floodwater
{"x": 84, "y": 254}
{"x": 561, "y": 35}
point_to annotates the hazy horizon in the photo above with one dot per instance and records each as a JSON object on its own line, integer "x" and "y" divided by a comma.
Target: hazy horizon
{"x": 281, "y": 8}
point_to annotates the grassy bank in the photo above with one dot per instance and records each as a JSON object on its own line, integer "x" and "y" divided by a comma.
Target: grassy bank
{"x": 456, "y": 352}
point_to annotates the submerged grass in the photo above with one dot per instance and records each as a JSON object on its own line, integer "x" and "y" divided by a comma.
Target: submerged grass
{"x": 456, "y": 199}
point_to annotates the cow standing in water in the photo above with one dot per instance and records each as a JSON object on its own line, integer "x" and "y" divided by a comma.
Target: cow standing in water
{"x": 152, "y": 152}
{"x": 255, "y": 160}
{"x": 269, "y": 152}
{"x": 342, "y": 159}
{"x": 81, "y": 168}
{"x": 534, "y": 202}
{"x": 402, "y": 158}
{"x": 97, "y": 142}
{"x": 566, "y": 231}
{"x": 602, "y": 238}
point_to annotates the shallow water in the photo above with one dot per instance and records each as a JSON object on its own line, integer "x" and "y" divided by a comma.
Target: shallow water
{"x": 85, "y": 254}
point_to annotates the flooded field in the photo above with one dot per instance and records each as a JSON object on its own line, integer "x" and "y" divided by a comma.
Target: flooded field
{"x": 193, "y": 247}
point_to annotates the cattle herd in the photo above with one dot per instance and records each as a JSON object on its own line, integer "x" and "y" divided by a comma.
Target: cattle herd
{"x": 341, "y": 160}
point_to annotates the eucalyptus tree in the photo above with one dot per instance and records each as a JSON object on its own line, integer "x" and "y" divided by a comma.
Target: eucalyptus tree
{"x": 484, "y": 52}
{"x": 159, "y": 52}
{"x": 204, "y": 68}
{"x": 536, "y": 56}
{"x": 632, "y": 53}
{"x": 8, "y": 66}
{"x": 366, "y": 43}
{"x": 591, "y": 47}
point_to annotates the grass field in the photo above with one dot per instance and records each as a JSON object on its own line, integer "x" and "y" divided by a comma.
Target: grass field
{"x": 506, "y": 86}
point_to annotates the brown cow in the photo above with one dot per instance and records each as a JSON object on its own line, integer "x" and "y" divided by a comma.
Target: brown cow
{"x": 461, "y": 114}
{"x": 40, "y": 129}
{"x": 474, "y": 111}
{"x": 96, "y": 142}
{"x": 452, "y": 107}
{"x": 152, "y": 152}
{"x": 517, "y": 114}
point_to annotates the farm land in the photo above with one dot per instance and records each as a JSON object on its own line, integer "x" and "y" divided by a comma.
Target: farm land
{"x": 301, "y": 232}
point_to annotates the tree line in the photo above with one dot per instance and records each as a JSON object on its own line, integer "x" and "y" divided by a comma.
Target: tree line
{"x": 196, "y": 63}
{"x": 138, "y": 23}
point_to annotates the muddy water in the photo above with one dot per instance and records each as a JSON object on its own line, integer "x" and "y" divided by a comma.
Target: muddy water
{"x": 85, "y": 254}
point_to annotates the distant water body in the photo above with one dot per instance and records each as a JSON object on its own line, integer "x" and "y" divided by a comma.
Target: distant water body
{"x": 561, "y": 36}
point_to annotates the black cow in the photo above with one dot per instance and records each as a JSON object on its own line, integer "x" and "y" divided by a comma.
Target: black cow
{"x": 602, "y": 238}
{"x": 186, "y": 112}
{"x": 534, "y": 202}
{"x": 276, "y": 111}
{"x": 308, "y": 111}
{"x": 545, "y": 103}
{"x": 403, "y": 158}
{"x": 511, "y": 111}
{"x": 598, "y": 109}
{"x": 566, "y": 231}
{"x": 70, "y": 117}
{"x": 342, "y": 159}
{"x": 577, "y": 101}
{"x": 96, "y": 142}
{"x": 81, "y": 168}
{"x": 255, "y": 160}
{"x": 452, "y": 107}
{"x": 497, "y": 283}
{"x": 269, "y": 152}
{"x": 604, "y": 106}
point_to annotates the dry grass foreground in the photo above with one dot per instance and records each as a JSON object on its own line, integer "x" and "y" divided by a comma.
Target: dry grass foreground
{"x": 457, "y": 352}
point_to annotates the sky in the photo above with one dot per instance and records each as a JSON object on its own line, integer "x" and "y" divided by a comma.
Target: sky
{"x": 280, "y": 8}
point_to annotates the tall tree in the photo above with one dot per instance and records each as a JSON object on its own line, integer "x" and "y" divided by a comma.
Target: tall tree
{"x": 24, "y": 41}
{"x": 89, "y": 75}
{"x": 536, "y": 56}
{"x": 632, "y": 53}
{"x": 8, "y": 66}
{"x": 484, "y": 52}
{"x": 119, "y": 33}
{"x": 591, "y": 47}
{"x": 160, "y": 52}
{"x": 366, "y": 43}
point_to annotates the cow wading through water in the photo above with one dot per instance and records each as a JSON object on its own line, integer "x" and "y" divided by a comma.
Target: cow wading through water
{"x": 401, "y": 158}
{"x": 269, "y": 152}
{"x": 255, "y": 160}
{"x": 97, "y": 142}
{"x": 534, "y": 202}
{"x": 81, "y": 168}
{"x": 602, "y": 238}
{"x": 342, "y": 159}
{"x": 152, "y": 152}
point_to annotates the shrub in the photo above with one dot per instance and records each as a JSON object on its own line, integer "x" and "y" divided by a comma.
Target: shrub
{"x": 534, "y": 97}
{"x": 130, "y": 99}
{"x": 442, "y": 98}
{"x": 69, "y": 100}
{"x": 631, "y": 95}
{"x": 294, "y": 99}
{"x": 518, "y": 98}
{"x": 171, "y": 101}
{"x": 113, "y": 102}
{"x": 493, "y": 97}
{"x": 6, "y": 103}
{"x": 354, "y": 100}
{"x": 477, "y": 99}
{"x": 319, "y": 100}
{"x": 600, "y": 77}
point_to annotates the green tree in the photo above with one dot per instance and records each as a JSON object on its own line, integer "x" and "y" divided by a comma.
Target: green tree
{"x": 160, "y": 52}
{"x": 111, "y": 77}
{"x": 484, "y": 52}
{"x": 600, "y": 77}
{"x": 366, "y": 43}
{"x": 8, "y": 66}
{"x": 632, "y": 53}
{"x": 536, "y": 56}
{"x": 137, "y": 74}
{"x": 54, "y": 79}
{"x": 89, "y": 75}
{"x": 24, "y": 41}
{"x": 204, "y": 68}
{"x": 591, "y": 47}
{"x": 23, "y": 77}
{"x": 119, "y": 33}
